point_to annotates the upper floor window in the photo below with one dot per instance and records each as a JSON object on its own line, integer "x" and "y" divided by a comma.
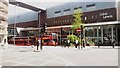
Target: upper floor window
{"x": 54, "y": 22}
{"x": 71, "y": 20}
{"x": 95, "y": 16}
{"x": 92, "y": 17}
{"x": 85, "y": 18}
{"x": 78, "y": 8}
{"x": 66, "y": 10}
{"x": 60, "y": 21}
{"x": 63, "y": 20}
{"x": 68, "y": 20}
{"x": 57, "y": 12}
{"x": 91, "y": 5}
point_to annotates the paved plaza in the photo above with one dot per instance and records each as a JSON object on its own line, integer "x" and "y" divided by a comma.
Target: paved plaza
{"x": 59, "y": 56}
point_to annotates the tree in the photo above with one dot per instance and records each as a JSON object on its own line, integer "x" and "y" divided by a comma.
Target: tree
{"x": 72, "y": 38}
{"x": 77, "y": 22}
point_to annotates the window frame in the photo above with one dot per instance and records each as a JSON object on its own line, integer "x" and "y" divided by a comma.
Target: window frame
{"x": 57, "y": 12}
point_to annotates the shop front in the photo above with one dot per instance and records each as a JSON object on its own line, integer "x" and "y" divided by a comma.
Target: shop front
{"x": 104, "y": 34}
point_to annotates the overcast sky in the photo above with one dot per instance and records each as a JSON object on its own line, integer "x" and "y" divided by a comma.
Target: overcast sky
{"x": 37, "y": 3}
{"x": 31, "y": 15}
{"x": 42, "y": 4}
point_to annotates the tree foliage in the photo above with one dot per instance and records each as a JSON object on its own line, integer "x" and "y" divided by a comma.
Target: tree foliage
{"x": 72, "y": 38}
{"x": 77, "y": 22}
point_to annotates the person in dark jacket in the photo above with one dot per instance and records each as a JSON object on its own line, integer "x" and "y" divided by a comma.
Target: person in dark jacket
{"x": 37, "y": 43}
{"x": 33, "y": 39}
{"x": 33, "y": 42}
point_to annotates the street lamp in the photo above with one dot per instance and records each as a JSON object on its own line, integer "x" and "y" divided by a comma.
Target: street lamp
{"x": 61, "y": 29}
{"x": 39, "y": 31}
{"x": 15, "y": 22}
{"x": 81, "y": 37}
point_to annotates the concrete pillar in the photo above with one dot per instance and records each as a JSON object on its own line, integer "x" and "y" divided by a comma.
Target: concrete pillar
{"x": 112, "y": 32}
{"x": 97, "y": 34}
{"x": 116, "y": 28}
{"x": 102, "y": 34}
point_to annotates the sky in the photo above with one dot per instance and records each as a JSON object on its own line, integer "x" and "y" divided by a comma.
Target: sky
{"x": 36, "y": 3}
{"x": 15, "y": 11}
{"x": 19, "y": 11}
{"x": 42, "y": 4}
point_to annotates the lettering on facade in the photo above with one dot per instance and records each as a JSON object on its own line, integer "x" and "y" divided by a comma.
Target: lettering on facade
{"x": 105, "y": 15}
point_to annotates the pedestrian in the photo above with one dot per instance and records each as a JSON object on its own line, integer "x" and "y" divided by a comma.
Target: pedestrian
{"x": 83, "y": 40}
{"x": 65, "y": 43}
{"x": 37, "y": 43}
{"x": 76, "y": 43}
{"x": 68, "y": 43}
{"x": 33, "y": 40}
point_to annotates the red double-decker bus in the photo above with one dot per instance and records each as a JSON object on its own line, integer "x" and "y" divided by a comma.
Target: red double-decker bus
{"x": 20, "y": 41}
{"x": 49, "y": 40}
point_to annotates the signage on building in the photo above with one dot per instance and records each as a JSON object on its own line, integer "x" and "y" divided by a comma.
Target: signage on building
{"x": 106, "y": 15}
{"x": 78, "y": 30}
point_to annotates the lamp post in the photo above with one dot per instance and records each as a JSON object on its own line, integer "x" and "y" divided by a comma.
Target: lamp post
{"x": 61, "y": 35}
{"x": 81, "y": 36}
{"x": 15, "y": 22}
{"x": 39, "y": 31}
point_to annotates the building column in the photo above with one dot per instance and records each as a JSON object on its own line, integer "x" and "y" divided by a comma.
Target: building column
{"x": 112, "y": 32}
{"x": 116, "y": 30}
{"x": 97, "y": 34}
{"x": 102, "y": 34}
{"x": 84, "y": 33}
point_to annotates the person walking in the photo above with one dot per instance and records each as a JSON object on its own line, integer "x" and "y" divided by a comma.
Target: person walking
{"x": 33, "y": 40}
{"x": 76, "y": 43}
{"x": 83, "y": 40}
{"x": 37, "y": 43}
{"x": 68, "y": 43}
{"x": 65, "y": 43}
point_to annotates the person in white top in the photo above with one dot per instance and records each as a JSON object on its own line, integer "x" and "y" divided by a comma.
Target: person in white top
{"x": 76, "y": 43}
{"x": 68, "y": 43}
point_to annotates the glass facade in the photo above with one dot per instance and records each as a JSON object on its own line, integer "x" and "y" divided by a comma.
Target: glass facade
{"x": 104, "y": 34}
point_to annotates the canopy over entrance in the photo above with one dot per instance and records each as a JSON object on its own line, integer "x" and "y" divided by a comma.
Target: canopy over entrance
{"x": 20, "y": 4}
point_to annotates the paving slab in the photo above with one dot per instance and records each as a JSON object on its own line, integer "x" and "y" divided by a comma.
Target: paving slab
{"x": 59, "y": 56}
